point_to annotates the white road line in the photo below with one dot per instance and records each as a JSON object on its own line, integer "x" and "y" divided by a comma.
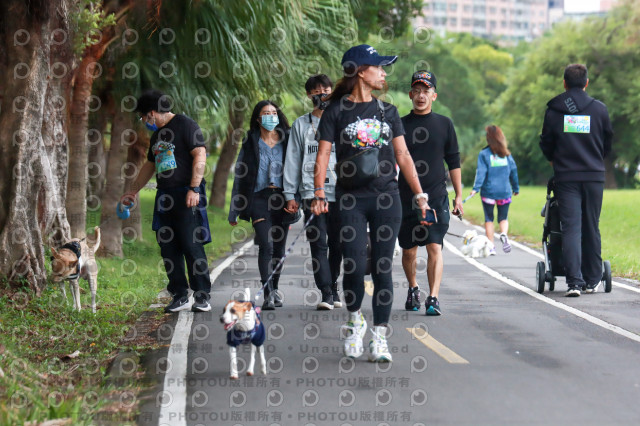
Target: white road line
{"x": 539, "y": 255}
{"x": 229, "y": 260}
{"x": 530, "y": 292}
{"x": 174, "y": 402}
{"x": 174, "y": 395}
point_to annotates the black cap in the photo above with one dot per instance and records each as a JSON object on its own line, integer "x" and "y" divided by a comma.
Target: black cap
{"x": 365, "y": 55}
{"x": 424, "y": 77}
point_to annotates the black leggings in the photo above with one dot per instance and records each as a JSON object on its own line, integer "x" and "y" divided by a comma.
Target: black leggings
{"x": 383, "y": 213}
{"x": 271, "y": 234}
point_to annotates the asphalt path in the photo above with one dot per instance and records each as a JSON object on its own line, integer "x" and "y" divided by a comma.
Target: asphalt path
{"x": 500, "y": 353}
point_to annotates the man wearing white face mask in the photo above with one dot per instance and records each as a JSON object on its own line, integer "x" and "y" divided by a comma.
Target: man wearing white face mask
{"x": 257, "y": 192}
{"x": 177, "y": 156}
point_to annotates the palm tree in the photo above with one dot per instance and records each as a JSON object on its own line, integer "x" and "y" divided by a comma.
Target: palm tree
{"x": 215, "y": 58}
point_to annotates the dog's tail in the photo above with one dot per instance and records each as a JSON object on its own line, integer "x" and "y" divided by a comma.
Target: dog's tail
{"x": 95, "y": 240}
{"x": 247, "y": 294}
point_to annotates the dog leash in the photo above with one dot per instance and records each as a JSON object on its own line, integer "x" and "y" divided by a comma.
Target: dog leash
{"x": 289, "y": 250}
{"x": 454, "y": 235}
{"x": 464, "y": 201}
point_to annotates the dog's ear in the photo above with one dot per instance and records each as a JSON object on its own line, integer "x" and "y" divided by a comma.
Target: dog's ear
{"x": 54, "y": 252}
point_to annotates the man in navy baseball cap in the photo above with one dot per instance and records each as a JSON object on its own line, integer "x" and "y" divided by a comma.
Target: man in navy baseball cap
{"x": 365, "y": 55}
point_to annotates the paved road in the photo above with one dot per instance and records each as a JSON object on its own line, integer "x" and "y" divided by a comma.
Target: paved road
{"x": 500, "y": 354}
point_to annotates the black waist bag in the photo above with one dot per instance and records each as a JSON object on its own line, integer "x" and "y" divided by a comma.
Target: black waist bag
{"x": 357, "y": 171}
{"x": 360, "y": 169}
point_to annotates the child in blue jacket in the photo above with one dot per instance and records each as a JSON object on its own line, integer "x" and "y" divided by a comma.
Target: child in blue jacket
{"x": 496, "y": 180}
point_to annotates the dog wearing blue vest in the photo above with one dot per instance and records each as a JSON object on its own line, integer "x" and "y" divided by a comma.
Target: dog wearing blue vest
{"x": 241, "y": 321}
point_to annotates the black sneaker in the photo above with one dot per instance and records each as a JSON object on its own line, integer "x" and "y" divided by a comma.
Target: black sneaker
{"x": 413, "y": 299}
{"x": 277, "y": 300}
{"x": 591, "y": 288}
{"x": 201, "y": 304}
{"x": 326, "y": 304}
{"x": 179, "y": 303}
{"x": 433, "y": 306}
{"x": 572, "y": 292}
{"x": 268, "y": 304}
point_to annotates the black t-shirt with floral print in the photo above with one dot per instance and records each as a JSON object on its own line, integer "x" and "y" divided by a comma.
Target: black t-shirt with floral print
{"x": 354, "y": 126}
{"x": 170, "y": 150}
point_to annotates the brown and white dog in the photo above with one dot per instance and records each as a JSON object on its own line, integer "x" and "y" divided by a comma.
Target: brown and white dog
{"x": 68, "y": 266}
{"x": 242, "y": 323}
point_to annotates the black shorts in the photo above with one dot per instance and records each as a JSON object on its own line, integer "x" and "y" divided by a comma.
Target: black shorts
{"x": 413, "y": 234}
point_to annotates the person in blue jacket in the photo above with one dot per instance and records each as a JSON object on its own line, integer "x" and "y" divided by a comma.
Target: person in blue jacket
{"x": 496, "y": 180}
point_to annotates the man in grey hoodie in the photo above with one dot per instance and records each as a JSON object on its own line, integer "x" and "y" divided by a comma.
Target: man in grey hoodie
{"x": 298, "y": 179}
{"x": 576, "y": 136}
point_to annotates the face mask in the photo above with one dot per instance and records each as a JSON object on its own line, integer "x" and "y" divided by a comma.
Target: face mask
{"x": 270, "y": 122}
{"x": 153, "y": 127}
{"x": 319, "y": 102}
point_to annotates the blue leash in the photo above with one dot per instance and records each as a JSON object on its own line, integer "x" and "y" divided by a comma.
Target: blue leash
{"x": 289, "y": 250}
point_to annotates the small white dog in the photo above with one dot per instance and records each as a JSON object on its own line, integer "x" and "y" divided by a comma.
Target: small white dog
{"x": 243, "y": 325}
{"x": 475, "y": 245}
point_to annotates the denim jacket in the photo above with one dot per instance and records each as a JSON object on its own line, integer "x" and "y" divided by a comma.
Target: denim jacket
{"x": 496, "y": 177}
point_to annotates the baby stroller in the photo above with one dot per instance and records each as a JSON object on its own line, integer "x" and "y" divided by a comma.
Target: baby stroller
{"x": 553, "y": 264}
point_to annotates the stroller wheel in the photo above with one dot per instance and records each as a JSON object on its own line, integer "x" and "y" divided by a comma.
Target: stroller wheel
{"x": 552, "y": 283}
{"x": 606, "y": 276}
{"x": 540, "y": 278}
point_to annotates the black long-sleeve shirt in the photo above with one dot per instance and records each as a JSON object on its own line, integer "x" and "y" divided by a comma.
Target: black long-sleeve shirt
{"x": 576, "y": 136}
{"x": 430, "y": 139}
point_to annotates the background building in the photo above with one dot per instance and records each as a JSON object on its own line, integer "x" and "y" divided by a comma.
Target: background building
{"x": 505, "y": 21}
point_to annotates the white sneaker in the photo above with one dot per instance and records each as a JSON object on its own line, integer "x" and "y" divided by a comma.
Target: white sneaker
{"x": 378, "y": 346}
{"x": 356, "y": 328}
{"x": 506, "y": 246}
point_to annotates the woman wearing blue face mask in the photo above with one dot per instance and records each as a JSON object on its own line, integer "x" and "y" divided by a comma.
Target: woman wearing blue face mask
{"x": 257, "y": 191}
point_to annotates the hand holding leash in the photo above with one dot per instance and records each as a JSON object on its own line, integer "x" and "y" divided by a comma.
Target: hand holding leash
{"x": 457, "y": 207}
{"x": 473, "y": 193}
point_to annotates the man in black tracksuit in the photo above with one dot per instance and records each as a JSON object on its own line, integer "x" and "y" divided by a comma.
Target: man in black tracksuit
{"x": 576, "y": 136}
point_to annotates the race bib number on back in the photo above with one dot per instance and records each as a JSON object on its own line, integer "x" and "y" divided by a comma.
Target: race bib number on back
{"x": 577, "y": 124}
{"x": 498, "y": 161}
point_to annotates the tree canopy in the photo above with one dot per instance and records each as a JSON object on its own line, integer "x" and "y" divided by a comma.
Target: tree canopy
{"x": 609, "y": 47}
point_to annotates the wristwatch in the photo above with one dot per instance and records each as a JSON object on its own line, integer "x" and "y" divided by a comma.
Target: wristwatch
{"x": 423, "y": 195}
{"x": 195, "y": 189}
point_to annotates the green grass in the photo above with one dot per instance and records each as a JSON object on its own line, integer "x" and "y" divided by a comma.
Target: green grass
{"x": 619, "y": 224}
{"x": 38, "y": 331}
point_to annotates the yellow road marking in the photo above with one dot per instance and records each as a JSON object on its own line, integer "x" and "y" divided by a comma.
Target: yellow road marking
{"x": 447, "y": 354}
{"x": 368, "y": 287}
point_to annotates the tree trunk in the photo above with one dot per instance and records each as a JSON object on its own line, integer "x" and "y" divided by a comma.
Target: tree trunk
{"x": 78, "y": 144}
{"x": 228, "y": 155}
{"x": 136, "y": 157}
{"x": 122, "y": 135}
{"x": 52, "y": 212}
{"x": 85, "y": 76}
{"x": 26, "y": 171}
{"x": 97, "y": 166}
